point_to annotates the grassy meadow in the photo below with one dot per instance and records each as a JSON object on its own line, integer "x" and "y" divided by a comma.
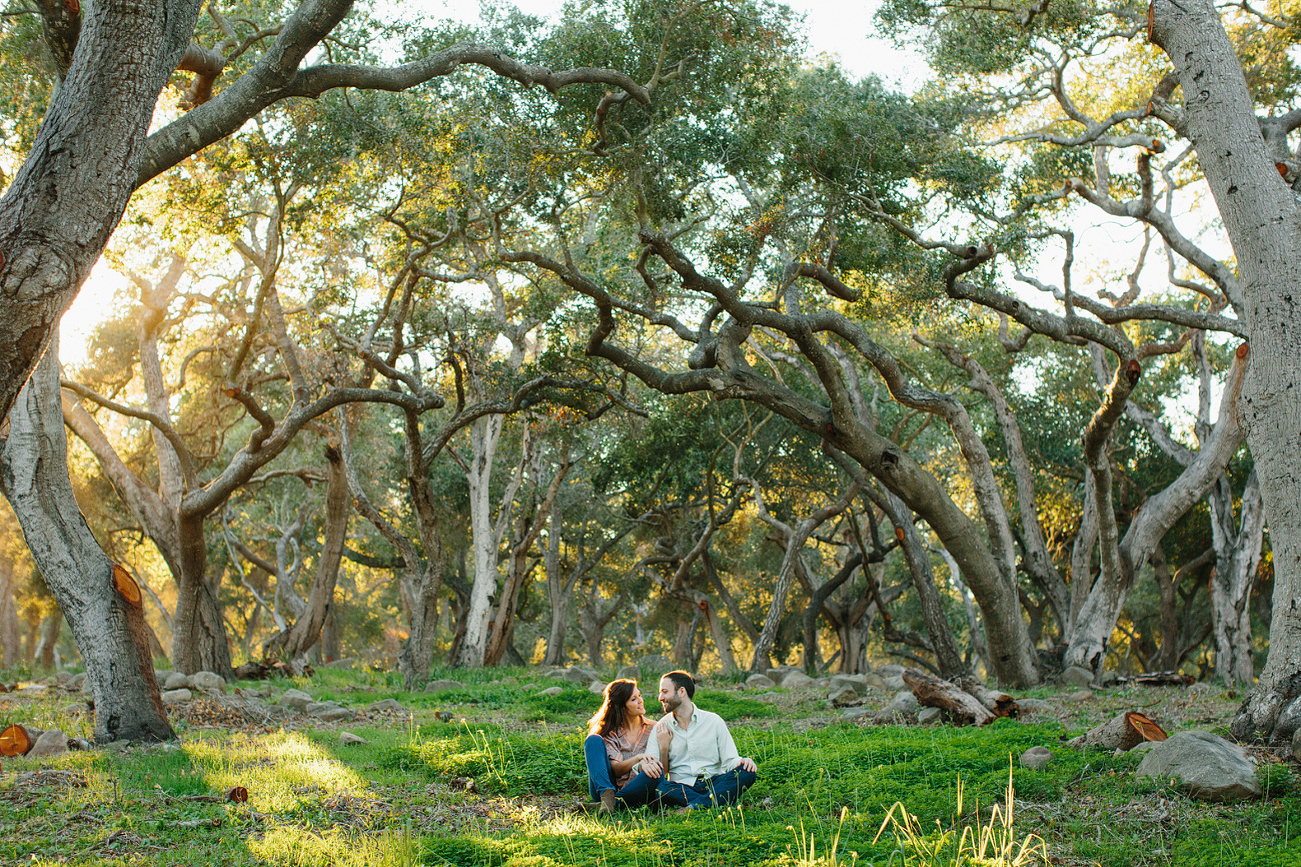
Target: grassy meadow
{"x": 498, "y": 781}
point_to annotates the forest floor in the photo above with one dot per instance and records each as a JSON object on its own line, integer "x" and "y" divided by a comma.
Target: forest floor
{"x": 490, "y": 773}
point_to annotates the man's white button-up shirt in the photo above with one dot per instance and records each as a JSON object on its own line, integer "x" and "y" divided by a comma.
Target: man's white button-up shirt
{"x": 704, "y": 749}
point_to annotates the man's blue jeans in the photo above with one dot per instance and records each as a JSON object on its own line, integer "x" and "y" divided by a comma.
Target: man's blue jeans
{"x": 716, "y": 791}
{"x": 639, "y": 791}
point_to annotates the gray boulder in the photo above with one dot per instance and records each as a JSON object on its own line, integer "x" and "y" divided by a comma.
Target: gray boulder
{"x": 176, "y": 680}
{"x": 76, "y": 680}
{"x": 388, "y": 704}
{"x": 630, "y": 672}
{"x": 551, "y": 690}
{"x": 796, "y": 680}
{"x": 1077, "y": 675}
{"x": 296, "y": 698}
{"x": 348, "y": 739}
{"x": 175, "y": 696}
{"x": 1206, "y": 766}
{"x": 50, "y": 743}
{"x": 1036, "y": 757}
{"x": 328, "y": 711}
{"x": 209, "y": 681}
{"x": 904, "y": 703}
{"x": 843, "y": 696}
{"x": 872, "y": 680}
{"x": 759, "y": 681}
{"x": 895, "y": 682}
{"x": 596, "y": 687}
{"x": 855, "y": 712}
{"x": 855, "y": 682}
{"x": 1034, "y": 705}
{"x": 928, "y": 715}
{"x": 443, "y": 685}
{"x": 892, "y": 670}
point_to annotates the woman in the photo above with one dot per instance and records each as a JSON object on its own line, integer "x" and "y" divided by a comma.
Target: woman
{"x": 620, "y": 769}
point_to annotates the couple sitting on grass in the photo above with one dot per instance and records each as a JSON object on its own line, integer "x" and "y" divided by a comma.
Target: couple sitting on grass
{"x": 686, "y": 760}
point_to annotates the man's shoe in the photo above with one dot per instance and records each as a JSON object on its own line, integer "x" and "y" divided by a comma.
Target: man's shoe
{"x": 607, "y": 801}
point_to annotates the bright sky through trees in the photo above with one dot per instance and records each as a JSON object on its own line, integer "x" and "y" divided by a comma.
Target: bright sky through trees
{"x": 837, "y": 28}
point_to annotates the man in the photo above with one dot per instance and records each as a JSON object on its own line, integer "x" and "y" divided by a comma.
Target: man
{"x": 703, "y": 766}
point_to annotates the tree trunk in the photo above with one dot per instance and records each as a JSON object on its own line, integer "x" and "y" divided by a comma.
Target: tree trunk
{"x": 1261, "y": 217}
{"x": 947, "y": 657}
{"x": 485, "y": 437}
{"x": 109, "y": 630}
{"x": 61, "y": 206}
{"x": 1237, "y": 557}
{"x": 559, "y": 591}
{"x": 11, "y": 635}
{"x": 47, "y": 652}
{"x": 306, "y": 631}
{"x": 199, "y": 640}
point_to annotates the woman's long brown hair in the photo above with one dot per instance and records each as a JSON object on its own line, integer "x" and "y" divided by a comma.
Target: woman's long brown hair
{"x": 612, "y": 715}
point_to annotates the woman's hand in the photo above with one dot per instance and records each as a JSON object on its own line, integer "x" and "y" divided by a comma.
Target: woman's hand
{"x": 651, "y": 767}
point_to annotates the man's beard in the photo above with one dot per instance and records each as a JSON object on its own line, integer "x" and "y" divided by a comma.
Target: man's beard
{"x": 670, "y": 705}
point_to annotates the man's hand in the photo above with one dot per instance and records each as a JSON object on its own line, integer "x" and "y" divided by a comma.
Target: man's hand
{"x": 664, "y": 738}
{"x": 747, "y": 764}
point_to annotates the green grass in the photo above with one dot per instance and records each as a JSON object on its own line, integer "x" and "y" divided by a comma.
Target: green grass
{"x": 824, "y": 791}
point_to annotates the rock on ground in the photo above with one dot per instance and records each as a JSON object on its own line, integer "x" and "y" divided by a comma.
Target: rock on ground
{"x": 1077, "y": 675}
{"x": 1207, "y": 766}
{"x": 296, "y": 698}
{"x": 50, "y": 743}
{"x": 176, "y": 680}
{"x": 348, "y": 739}
{"x": 551, "y": 690}
{"x": 759, "y": 681}
{"x": 796, "y": 680}
{"x": 390, "y": 704}
{"x": 843, "y": 696}
{"x": 443, "y": 685}
{"x": 1036, "y": 757}
{"x": 174, "y": 696}
{"x": 209, "y": 681}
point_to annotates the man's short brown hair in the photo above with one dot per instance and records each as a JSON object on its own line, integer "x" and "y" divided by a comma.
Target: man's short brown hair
{"x": 684, "y": 680}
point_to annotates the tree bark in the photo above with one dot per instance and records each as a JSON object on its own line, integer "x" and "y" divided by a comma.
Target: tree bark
{"x": 306, "y": 631}
{"x": 1237, "y": 555}
{"x": 58, "y": 212}
{"x": 1261, "y": 217}
{"x": 109, "y": 630}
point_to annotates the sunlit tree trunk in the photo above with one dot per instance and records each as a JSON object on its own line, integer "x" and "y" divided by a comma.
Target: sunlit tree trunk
{"x": 1261, "y": 216}
{"x": 109, "y": 630}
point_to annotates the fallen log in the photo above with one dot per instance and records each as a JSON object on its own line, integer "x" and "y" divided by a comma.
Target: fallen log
{"x": 962, "y": 707}
{"x": 999, "y": 703}
{"x": 1161, "y": 678}
{"x": 1123, "y": 732}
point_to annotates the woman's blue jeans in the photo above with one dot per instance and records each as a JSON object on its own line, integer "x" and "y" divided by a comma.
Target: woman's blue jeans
{"x": 639, "y": 791}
